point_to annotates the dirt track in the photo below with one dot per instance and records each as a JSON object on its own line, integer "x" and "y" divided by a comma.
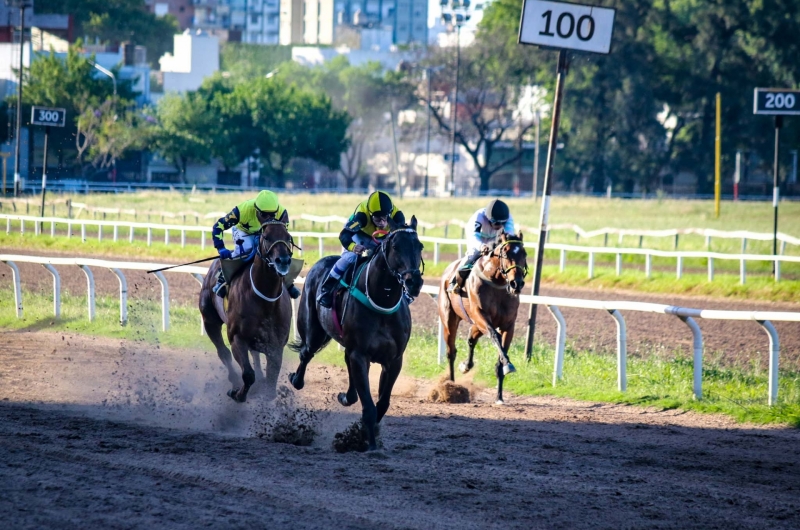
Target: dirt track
{"x": 103, "y": 433}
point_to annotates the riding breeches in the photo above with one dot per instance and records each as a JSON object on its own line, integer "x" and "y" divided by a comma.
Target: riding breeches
{"x": 242, "y": 242}
{"x": 469, "y": 259}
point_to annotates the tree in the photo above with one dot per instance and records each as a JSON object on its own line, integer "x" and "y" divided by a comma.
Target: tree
{"x": 485, "y": 108}
{"x": 367, "y": 93}
{"x": 180, "y": 135}
{"x": 291, "y": 123}
{"x": 117, "y": 21}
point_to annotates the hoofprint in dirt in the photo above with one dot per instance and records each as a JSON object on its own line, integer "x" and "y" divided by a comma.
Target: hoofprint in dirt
{"x": 98, "y": 432}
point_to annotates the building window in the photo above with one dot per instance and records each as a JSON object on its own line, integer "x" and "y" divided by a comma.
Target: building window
{"x": 254, "y": 19}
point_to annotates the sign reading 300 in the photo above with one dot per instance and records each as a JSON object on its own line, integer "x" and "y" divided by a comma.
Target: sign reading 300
{"x": 48, "y": 116}
{"x": 563, "y": 25}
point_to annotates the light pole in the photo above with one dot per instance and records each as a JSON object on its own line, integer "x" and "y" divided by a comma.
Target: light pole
{"x": 22, "y": 5}
{"x": 536, "y": 119}
{"x": 109, "y": 73}
{"x": 429, "y": 73}
{"x": 455, "y": 15}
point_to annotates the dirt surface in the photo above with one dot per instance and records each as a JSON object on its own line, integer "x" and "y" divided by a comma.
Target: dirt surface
{"x": 103, "y": 433}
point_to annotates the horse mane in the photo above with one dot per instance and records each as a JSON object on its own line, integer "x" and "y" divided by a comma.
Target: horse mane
{"x": 504, "y": 237}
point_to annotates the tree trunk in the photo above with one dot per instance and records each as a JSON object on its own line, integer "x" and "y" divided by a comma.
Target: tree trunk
{"x": 485, "y": 175}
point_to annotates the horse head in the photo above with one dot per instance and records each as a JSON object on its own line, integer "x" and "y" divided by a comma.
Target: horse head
{"x": 275, "y": 246}
{"x": 403, "y": 252}
{"x": 513, "y": 259}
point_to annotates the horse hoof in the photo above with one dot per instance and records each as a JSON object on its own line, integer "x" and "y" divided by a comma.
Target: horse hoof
{"x": 293, "y": 379}
{"x": 499, "y": 402}
{"x": 232, "y": 393}
{"x": 464, "y": 368}
{"x": 509, "y": 369}
{"x": 342, "y": 398}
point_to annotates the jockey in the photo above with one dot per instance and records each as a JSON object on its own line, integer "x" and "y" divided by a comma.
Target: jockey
{"x": 245, "y": 222}
{"x": 356, "y": 237}
{"x": 486, "y": 224}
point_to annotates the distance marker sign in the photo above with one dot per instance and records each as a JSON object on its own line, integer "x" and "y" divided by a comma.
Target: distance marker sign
{"x": 776, "y": 101}
{"x": 568, "y": 26}
{"x": 48, "y": 117}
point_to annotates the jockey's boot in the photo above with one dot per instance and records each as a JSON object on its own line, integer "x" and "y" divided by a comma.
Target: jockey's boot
{"x": 454, "y": 287}
{"x": 221, "y": 288}
{"x": 294, "y": 292}
{"x": 325, "y": 298}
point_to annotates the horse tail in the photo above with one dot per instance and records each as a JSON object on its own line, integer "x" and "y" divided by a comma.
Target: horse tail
{"x": 295, "y": 346}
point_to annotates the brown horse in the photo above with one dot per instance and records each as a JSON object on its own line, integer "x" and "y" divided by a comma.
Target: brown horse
{"x": 259, "y": 311}
{"x": 374, "y": 329}
{"x": 490, "y": 305}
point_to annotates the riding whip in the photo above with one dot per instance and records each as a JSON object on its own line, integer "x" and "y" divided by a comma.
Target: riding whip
{"x": 182, "y": 264}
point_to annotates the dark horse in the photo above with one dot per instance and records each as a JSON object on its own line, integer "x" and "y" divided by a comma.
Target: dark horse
{"x": 374, "y": 331}
{"x": 490, "y": 306}
{"x": 259, "y": 311}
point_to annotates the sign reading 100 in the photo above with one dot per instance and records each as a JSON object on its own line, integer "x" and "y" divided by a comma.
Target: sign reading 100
{"x": 563, "y": 25}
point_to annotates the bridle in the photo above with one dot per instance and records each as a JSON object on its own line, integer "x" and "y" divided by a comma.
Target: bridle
{"x": 503, "y": 256}
{"x": 398, "y": 275}
{"x": 264, "y": 254}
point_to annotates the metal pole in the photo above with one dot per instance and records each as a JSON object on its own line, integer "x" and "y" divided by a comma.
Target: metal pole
{"x": 537, "y": 118}
{"x": 793, "y": 178}
{"x": 44, "y": 169}
{"x": 396, "y": 159}
{"x": 775, "y": 189}
{"x": 717, "y": 163}
{"x": 454, "y": 110}
{"x": 19, "y": 97}
{"x": 428, "y": 141}
{"x": 5, "y": 158}
{"x": 737, "y": 175}
{"x": 561, "y": 72}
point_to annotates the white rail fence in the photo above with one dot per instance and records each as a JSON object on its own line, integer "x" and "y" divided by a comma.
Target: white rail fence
{"x": 591, "y": 252}
{"x": 614, "y": 308}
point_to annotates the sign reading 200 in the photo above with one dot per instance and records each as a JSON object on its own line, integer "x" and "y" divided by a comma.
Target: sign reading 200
{"x": 776, "y": 101}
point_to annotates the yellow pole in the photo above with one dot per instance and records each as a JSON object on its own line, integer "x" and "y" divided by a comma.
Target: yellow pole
{"x": 717, "y": 152}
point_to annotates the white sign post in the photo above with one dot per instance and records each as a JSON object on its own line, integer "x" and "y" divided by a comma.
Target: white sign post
{"x": 561, "y": 26}
{"x": 48, "y": 117}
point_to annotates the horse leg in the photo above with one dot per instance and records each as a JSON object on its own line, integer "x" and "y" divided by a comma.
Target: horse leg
{"x": 450, "y": 334}
{"x": 312, "y": 339}
{"x": 474, "y": 335}
{"x": 508, "y": 368}
{"x": 257, "y": 365}
{"x": 214, "y": 332}
{"x": 499, "y": 370}
{"x": 248, "y": 375}
{"x": 388, "y": 378}
{"x": 360, "y": 372}
{"x": 351, "y": 396}
{"x": 274, "y": 361}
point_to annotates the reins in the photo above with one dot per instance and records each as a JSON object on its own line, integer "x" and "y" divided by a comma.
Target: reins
{"x": 398, "y": 275}
{"x": 264, "y": 256}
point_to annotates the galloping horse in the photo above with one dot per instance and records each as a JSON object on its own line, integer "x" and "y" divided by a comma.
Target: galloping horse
{"x": 491, "y": 304}
{"x": 259, "y": 311}
{"x": 375, "y": 322}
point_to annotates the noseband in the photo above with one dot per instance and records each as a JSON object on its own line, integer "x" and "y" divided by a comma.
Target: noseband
{"x": 503, "y": 256}
{"x": 264, "y": 255}
{"x": 399, "y": 274}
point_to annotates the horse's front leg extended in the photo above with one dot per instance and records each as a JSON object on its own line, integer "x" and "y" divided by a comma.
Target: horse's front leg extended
{"x": 274, "y": 361}
{"x": 359, "y": 367}
{"x": 508, "y": 368}
{"x": 239, "y": 348}
{"x": 351, "y": 396}
{"x": 388, "y": 379}
{"x": 297, "y": 378}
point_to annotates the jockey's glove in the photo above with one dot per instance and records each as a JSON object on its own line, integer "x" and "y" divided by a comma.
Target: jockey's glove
{"x": 224, "y": 253}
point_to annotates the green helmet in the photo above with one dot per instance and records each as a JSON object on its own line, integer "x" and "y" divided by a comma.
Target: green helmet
{"x": 267, "y": 202}
{"x": 380, "y": 204}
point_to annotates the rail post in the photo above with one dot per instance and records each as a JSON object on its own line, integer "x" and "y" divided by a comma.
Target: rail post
{"x": 648, "y": 265}
{"x": 697, "y": 356}
{"x": 52, "y": 229}
{"x": 164, "y": 300}
{"x": 149, "y": 236}
{"x": 90, "y": 290}
{"x": 17, "y": 287}
{"x": 710, "y": 269}
{"x": 116, "y": 233}
{"x": 622, "y": 350}
{"x": 56, "y": 289}
{"x": 619, "y": 264}
{"x": 679, "y": 268}
{"x": 591, "y": 265}
{"x": 561, "y": 341}
{"x": 123, "y": 297}
{"x": 436, "y": 253}
{"x": 183, "y": 238}
{"x": 166, "y": 236}
{"x": 774, "y": 349}
{"x": 321, "y": 247}
{"x": 777, "y": 268}
{"x": 742, "y": 271}
{"x": 99, "y": 232}
{"x": 199, "y": 278}
{"x": 83, "y": 232}
{"x": 130, "y": 235}
{"x": 440, "y": 346}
